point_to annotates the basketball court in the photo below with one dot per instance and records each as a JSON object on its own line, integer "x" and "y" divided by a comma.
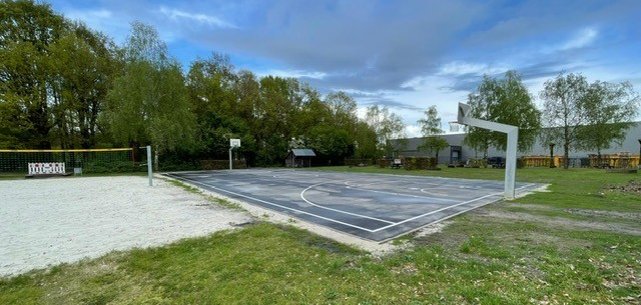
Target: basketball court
{"x": 371, "y": 206}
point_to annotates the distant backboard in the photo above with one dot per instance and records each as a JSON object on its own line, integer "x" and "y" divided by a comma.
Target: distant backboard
{"x": 464, "y": 111}
{"x": 234, "y": 143}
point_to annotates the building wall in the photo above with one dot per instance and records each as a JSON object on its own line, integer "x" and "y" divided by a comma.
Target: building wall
{"x": 630, "y": 144}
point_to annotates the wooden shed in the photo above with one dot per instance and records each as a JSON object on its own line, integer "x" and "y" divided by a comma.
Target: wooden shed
{"x": 299, "y": 157}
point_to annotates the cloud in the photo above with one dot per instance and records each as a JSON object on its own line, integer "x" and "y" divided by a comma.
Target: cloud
{"x": 293, "y": 74}
{"x": 365, "y": 45}
{"x": 456, "y": 68}
{"x": 583, "y": 39}
{"x": 390, "y": 103}
{"x": 407, "y": 56}
{"x": 176, "y": 15}
{"x": 101, "y": 19}
{"x": 413, "y": 131}
{"x": 87, "y": 15}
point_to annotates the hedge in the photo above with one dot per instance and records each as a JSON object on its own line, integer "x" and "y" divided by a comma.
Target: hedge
{"x": 414, "y": 163}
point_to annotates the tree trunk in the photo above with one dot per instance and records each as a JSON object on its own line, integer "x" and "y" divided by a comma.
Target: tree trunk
{"x": 135, "y": 147}
{"x": 156, "y": 159}
{"x": 566, "y": 155}
{"x": 566, "y": 147}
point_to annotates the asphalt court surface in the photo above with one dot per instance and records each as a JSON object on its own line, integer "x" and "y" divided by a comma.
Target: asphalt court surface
{"x": 371, "y": 206}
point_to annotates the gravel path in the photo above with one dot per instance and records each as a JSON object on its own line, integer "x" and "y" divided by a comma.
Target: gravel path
{"x": 51, "y": 221}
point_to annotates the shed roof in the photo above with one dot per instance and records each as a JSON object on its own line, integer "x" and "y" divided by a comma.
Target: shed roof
{"x": 303, "y": 152}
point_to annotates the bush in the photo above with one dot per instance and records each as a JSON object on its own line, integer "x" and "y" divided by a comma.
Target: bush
{"x": 358, "y": 162}
{"x": 221, "y": 164}
{"x": 414, "y": 163}
{"x": 383, "y": 163}
{"x": 104, "y": 167}
{"x": 476, "y": 163}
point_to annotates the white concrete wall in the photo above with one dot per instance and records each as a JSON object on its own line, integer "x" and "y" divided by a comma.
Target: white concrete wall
{"x": 630, "y": 144}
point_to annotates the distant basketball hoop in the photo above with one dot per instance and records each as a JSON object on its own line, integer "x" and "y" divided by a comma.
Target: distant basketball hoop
{"x": 233, "y": 143}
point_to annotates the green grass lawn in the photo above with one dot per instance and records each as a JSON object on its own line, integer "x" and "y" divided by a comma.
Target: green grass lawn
{"x": 580, "y": 243}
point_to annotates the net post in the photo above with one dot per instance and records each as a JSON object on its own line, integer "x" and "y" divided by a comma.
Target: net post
{"x": 510, "y": 163}
{"x": 149, "y": 165}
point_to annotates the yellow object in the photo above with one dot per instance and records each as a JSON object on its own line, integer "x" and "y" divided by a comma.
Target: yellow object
{"x": 66, "y": 150}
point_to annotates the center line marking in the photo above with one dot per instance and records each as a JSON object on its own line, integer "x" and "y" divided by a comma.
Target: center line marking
{"x": 302, "y": 196}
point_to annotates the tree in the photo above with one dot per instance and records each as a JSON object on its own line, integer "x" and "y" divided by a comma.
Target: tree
{"x": 276, "y": 114}
{"x": 506, "y": 101}
{"x": 148, "y": 102}
{"x": 27, "y": 29}
{"x": 609, "y": 110}
{"x": 365, "y": 141}
{"x": 431, "y": 130}
{"x": 214, "y": 100}
{"x": 343, "y": 109}
{"x": 82, "y": 63}
{"x": 387, "y": 126}
{"x": 479, "y": 138}
{"x": 563, "y": 112}
{"x": 330, "y": 143}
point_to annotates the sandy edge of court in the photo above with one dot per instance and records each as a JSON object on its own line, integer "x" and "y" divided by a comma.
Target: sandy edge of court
{"x": 46, "y": 222}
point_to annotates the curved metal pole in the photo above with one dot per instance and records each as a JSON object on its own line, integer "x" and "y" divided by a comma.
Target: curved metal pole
{"x": 512, "y": 132}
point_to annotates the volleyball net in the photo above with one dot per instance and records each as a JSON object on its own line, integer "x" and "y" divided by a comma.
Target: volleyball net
{"x": 105, "y": 160}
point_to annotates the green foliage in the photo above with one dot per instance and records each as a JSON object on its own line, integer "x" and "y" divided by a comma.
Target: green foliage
{"x": 587, "y": 116}
{"x": 27, "y": 31}
{"x": 329, "y": 141}
{"x": 506, "y": 101}
{"x": 433, "y": 145}
{"x": 431, "y": 123}
{"x": 387, "y": 126}
{"x": 609, "y": 110}
{"x": 64, "y": 85}
{"x": 148, "y": 102}
{"x": 563, "y": 112}
{"x": 431, "y": 128}
{"x": 414, "y": 163}
{"x": 83, "y": 65}
{"x": 106, "y": 167}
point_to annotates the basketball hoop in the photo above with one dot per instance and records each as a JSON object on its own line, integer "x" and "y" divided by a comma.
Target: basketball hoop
{"x": 464, "y": 117}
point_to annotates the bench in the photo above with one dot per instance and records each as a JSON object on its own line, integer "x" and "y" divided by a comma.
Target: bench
{"x": 397, "y": 163}
{"x": 46, "y": 169}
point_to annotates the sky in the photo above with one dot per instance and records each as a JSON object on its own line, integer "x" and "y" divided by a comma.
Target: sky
{"x": 406, "y": 55}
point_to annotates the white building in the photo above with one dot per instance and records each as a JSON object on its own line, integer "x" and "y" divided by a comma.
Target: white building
{"x": 458, "y": 151}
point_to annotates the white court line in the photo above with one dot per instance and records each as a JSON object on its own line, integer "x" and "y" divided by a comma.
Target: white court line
{"x": 274, "y": 204}
{"x": 302, "y": 196}
{"x": 398, "y": 194}
{"x": 442, "y": 209}
{"x": 433, "y": 212}
{"x": 437, "y": 185}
